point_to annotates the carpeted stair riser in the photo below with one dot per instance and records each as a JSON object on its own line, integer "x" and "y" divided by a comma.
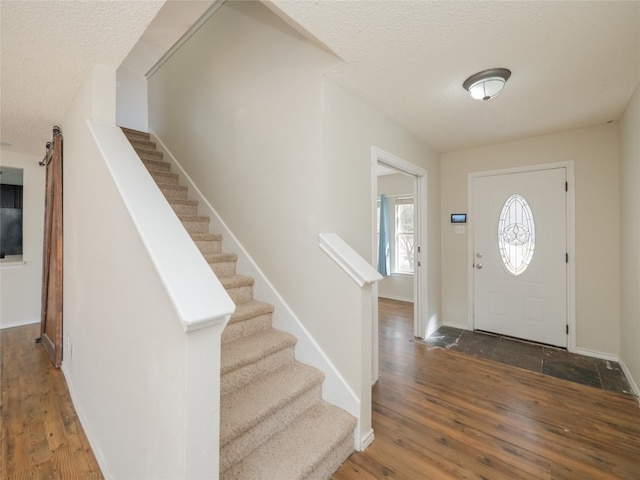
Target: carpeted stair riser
{"x": 165, "y": 178}
{"x": 174, "y": 191}
{"x": 149, "y": 156}
{"x": 239, "y": 288}
{"x": 248, "y": 319}
{"x": 157, "y": 166}
{"x": 195, "y": 224}
{"x": 247, "y": 359}
{"x": 274, "y": 423}
{"x": 184, "y": 207}
{"x": 241, "y": 446}
{"x": 237, "y": 449}
{"x": 207, "y": 242}
{"x": 327, "y": 448}
{"x": 140, "y": 144}
{"x": 242, "y": 413}
{"x": 222, "y": 264}
{"x": 136, "y": 135}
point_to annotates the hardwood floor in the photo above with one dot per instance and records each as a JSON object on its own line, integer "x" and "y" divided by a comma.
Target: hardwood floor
{"x": 41, "y": 434}
{"x": 437, "y": 414}
{"x": 440, "y": 414}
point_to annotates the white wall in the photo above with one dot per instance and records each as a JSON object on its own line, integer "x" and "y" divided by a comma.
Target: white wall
{"x": 283, "y": 155}
{"x": 396, "y": 286}
{"x": 595, "y": 153}
{"x": 131, "y": 99}
{"x": 126, "y": 357}
{"x": 630, "y": 238}
{"x": 21, "y": 284}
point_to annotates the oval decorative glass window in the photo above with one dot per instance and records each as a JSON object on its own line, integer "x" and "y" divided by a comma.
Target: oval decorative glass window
{"x": 516, "y": 234}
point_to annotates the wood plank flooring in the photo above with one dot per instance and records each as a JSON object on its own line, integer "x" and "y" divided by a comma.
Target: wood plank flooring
{"x": 41, "y": 434}
{"x": 437, "y": 414}
{"x": 440, "y": 414}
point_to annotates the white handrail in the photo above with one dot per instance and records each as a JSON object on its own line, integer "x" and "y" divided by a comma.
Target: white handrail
{"x": 197, "y": 295}
{"x": 348, "y": 259}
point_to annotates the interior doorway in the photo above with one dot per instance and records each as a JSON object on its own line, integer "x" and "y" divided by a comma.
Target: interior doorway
{"x": 404, "y": 186}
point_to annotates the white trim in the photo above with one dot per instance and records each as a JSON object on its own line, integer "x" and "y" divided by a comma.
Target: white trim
{"x": 199, "y": 298}
{"x": 86, "y": 424}
{"x": 12, "y": 264}
{"x": 595, "y": 354}
{"x": 367, "y": 440}
{"x": 396, "y": 297}
{"x": 335, "y": 389}
{"x": 571, "y": 240}
{"x": 348, "y": 259}
{"x": 420, "y": 290}
{"x": 19, "y": 323}
{"x": 632, "y": 383}
{"x": 186, "y": 36}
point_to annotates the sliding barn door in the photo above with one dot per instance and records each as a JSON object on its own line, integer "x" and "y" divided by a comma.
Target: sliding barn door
{"x": 51, "y": 320}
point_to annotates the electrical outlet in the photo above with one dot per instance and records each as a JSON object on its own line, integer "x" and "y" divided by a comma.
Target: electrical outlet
{"x": 459, "y": 229}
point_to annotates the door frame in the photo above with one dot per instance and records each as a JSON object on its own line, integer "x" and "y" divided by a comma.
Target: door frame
{"x": 420, "y": 290}
{"x": 571, "y": 243}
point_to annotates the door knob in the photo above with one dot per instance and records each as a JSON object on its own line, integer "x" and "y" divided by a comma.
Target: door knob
{"x": 479, "y": 266}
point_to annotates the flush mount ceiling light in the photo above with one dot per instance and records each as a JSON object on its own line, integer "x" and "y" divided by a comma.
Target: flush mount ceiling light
{"x": 486, "y": 84}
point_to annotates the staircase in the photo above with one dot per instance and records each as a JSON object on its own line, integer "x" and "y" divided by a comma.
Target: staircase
{"x": 274, "y": 424}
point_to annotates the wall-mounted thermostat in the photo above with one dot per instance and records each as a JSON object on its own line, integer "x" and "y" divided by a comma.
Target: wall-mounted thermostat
{"x": 458, "y": 218}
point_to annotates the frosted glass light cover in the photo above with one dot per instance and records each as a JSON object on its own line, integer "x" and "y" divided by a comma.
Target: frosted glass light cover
{"x": 486, "y": 89}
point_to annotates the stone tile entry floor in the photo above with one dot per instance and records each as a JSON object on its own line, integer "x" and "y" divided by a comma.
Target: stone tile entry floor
{"x": 552, "y": 361}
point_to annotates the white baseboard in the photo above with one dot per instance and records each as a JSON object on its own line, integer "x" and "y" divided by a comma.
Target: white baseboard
{"x": 631, "y": 380}
{"x": 597, "y": 354}
{"x": 396, "y": 297}
{"x": 21, "y": 323}
{"x": 335, "y": 389}
{"x": 86, "y": 426}
{"x": 365, "y": 441}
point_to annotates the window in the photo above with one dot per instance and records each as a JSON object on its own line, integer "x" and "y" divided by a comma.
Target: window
{"x": 516, "y": 235}
{"x": 404, "y": 235}
{"x": 11, "y": 214}
{"x": 401, "y": 235}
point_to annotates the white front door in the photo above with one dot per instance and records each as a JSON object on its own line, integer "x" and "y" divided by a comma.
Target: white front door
{"x": 520, "y": 255}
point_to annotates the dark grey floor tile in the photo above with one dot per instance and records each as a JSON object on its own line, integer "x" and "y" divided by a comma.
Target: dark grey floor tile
{"x": 569, "y": 366}
{"x": 613, "y": 377}
{"x": 477, "y": 344}
{"x": 519, "y": 354}
{"x": 444, "y": 337}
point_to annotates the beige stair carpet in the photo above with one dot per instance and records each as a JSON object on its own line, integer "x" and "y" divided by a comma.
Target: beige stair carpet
{"x": 274, "y": 424}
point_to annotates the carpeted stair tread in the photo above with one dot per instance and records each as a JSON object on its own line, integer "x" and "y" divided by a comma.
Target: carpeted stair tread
{"x": 302, "y": 450}
{"x": 149, "y": 155}
{"x": 206, "y": 237}
{"x": 244, "y": 409}
{"x": 250, "y": 309}
{"x": 141, "y": 144}
{"x": 235, "y": 281}
{"x": 156, "y": 166}
{"x": 174, "y": 191}
{"x": 165, "y": 178}
{"x": 131, "y": 133}
{"x": 251, "y": 349}
{"x": 193, "y": 218}
{"x": 220, "y": 257}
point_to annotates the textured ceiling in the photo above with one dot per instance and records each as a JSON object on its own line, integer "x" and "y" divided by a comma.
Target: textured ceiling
{"x": 47, "y": 49}
{"x": 574, "y": 64}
